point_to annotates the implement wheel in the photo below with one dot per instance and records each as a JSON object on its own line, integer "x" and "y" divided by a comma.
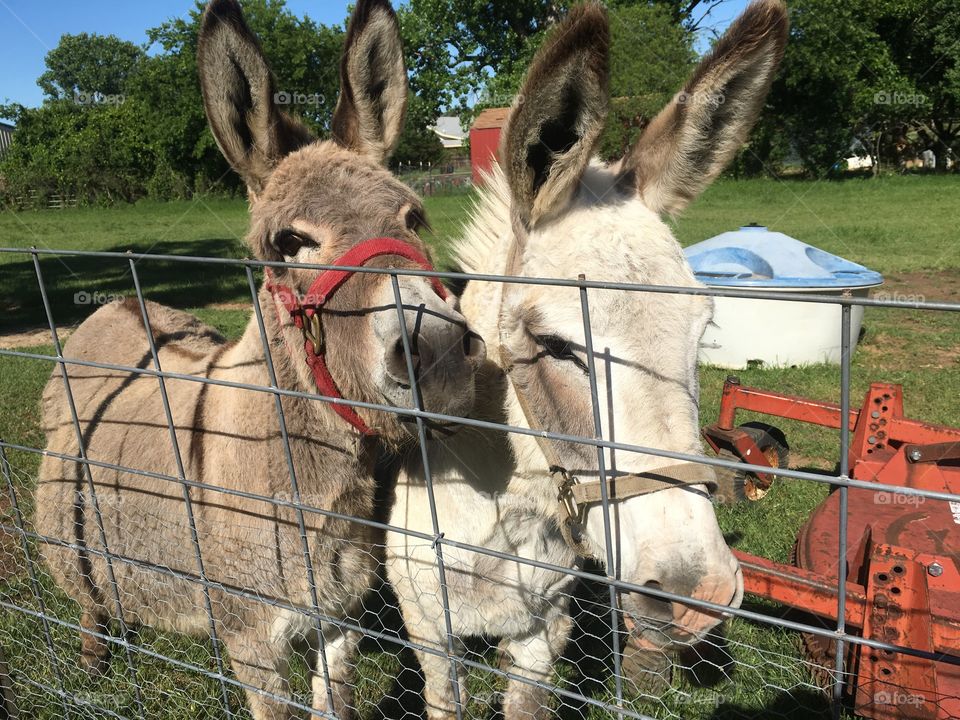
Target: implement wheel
{"x": 735, "y": 486}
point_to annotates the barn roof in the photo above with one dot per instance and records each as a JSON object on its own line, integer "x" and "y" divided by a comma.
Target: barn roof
{"x": 491, "y": 118}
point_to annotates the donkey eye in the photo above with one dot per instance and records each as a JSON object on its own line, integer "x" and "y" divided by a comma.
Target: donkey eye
{"x": 289, "y": 242}
{"x": 416, "y": 220}
{"x": 560, "y": 349}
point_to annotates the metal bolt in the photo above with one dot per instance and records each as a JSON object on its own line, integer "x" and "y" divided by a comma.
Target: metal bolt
{"x": 733, "y": 379}
{"x": 872, "y": 439}
{"x": 916, "y": 455}
{"x": 935, "y": 569}
{"x": 875, "y": 414}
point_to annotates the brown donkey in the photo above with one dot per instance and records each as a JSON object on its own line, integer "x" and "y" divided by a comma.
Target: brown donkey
{"x": 311, "y": 202}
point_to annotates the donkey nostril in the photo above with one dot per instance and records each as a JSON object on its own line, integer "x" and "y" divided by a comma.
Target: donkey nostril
{"x": 473, "y": 345}
{"x": 396, "y": 361}
{"x": 399, "y": 350}
{"x": 656, "y": 607}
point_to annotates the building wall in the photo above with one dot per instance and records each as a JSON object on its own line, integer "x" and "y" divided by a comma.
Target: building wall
{"x": 6, "y": 137}
{"x": 483, "y": 150}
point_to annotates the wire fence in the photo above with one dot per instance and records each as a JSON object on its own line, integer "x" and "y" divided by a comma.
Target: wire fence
{"x": 363, "y": 651}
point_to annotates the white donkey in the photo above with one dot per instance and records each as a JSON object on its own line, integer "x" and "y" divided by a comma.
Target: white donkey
{"x": 549, "y": 211}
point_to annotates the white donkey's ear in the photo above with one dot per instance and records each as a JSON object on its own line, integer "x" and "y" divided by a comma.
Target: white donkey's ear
{"x": 238, "y": 96}
{"x": 373, "y": 83}
{"x": 559, "y": 115}
{"x": 696, "y": 136}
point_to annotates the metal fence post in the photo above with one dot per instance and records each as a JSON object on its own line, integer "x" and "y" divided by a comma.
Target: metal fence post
{"x": 612, "y": 570}
{"x": 438, "y": 536}
{"x": 82, "y": 452}
{"x": 294, "y": 486}
{"x": 187, "y": 500}
{"x": 845, "y": 355}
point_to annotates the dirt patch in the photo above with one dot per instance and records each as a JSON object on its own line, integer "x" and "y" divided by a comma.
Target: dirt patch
{"x": 922, "y": 286}
{"x": 915, "y": 339}
{"x": 31, "y": 338}
{"x": 909, "y": 350}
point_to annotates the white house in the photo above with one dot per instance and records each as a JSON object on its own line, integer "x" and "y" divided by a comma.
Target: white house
{"x": 450, "y": 132}
{"x": 6, "y": 137}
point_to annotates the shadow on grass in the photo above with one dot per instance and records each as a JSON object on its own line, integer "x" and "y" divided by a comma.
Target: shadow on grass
{"x": 77, "y": 285}
{"x": 800, "y": 705}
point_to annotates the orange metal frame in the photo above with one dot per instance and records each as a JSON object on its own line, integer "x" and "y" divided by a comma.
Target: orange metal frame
{"x": 903, "y": 560}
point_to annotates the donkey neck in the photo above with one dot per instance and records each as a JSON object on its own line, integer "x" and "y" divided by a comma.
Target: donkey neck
{"x": 483, "y": 250}
{"x": 304, "y": 418}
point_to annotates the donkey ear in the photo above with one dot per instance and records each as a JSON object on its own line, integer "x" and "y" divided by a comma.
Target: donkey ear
{"x": 373, "y": 83}
{"x": 238, "y": 96}
{"x": 559, "y": 115}
{"x": 695, "y": 137}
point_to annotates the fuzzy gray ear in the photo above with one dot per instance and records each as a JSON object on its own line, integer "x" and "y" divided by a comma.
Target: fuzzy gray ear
{"x": 696, "y": 136}
{"x": 238, "y": 96}
{"x": 373, "y": 83}
{"x": 559, "y": 115}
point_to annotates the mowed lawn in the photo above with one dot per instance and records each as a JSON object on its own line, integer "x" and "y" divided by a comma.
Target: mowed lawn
{"x": 905, "y": 227}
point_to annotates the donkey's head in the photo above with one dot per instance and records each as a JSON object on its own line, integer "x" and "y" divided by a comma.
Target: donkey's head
{"x": 312, "y": 201}
{"x": 571, "y": 216}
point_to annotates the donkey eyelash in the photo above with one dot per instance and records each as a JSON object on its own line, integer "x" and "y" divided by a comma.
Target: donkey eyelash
{"x": 560, "y": 349}
{"x": 289, "y": 242}
{"x": 417, "y": 220}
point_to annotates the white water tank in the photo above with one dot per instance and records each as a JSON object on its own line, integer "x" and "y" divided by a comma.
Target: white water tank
{"x": 746, "y": 331}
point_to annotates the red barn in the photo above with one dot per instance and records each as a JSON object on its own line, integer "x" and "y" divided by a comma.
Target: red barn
{"x": 485, "y": 140}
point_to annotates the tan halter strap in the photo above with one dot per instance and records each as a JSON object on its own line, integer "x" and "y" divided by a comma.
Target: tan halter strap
{"x": 574, "y": 496}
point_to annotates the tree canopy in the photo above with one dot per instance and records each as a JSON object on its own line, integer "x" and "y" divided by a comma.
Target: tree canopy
{"x": 874, "y": 77}
{"x": 878, "y": 77}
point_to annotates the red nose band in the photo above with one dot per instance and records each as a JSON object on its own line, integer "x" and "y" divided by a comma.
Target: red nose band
{"x": 306, "y": 313}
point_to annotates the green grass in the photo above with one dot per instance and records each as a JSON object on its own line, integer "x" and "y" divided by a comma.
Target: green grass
{"x": 903, "y": 227}
{"x": 892, "y": 224}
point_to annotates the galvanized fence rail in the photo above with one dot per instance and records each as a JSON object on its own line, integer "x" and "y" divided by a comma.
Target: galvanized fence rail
{"x": 39, "y": 603}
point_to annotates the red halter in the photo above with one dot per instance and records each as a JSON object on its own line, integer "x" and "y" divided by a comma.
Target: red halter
{"x": 306, "y": 314}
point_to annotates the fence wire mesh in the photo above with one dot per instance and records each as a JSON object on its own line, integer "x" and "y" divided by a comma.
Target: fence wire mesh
{"x": 263, "y": 626}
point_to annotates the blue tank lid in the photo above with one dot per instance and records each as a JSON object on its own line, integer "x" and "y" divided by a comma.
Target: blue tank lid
{"x": 753, "y": 256}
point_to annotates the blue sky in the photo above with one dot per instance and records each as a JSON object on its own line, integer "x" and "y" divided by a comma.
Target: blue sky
{"x": 31, "y": 28}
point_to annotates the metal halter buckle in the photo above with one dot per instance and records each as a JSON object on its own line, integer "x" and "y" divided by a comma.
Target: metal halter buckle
{"x": 565, "y": 492}
{"x": 313, "y": 330}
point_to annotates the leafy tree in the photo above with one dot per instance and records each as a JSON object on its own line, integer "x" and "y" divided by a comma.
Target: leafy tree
{"x": 97, "y": 152}
{"x": 650, "y": 59}
{"x": 878, "y": 75}
{"x": 465, "y": 50}
{"x": 682, "y": 12}
{"x": 304, "y": 56}
{"x": 418, "y": 143}
{"x": 89, "y": 65}
{"x": 455, "y": 46}
{"x": 140, "y": 128}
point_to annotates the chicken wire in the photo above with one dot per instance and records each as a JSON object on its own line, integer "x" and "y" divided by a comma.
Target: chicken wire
{"x": 172, "y": 675}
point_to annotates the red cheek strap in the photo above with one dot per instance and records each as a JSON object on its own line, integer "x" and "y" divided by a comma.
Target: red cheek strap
{"x": 306, "y": 312}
